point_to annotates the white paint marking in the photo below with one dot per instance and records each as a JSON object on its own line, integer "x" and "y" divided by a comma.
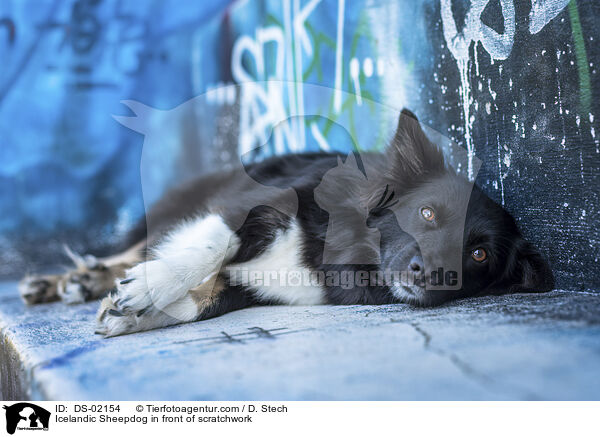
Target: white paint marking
{"x": 368, "y": 67}
{"x": 337, "y": 97}
{"x": 319, "y": 138}
{"x": 380, "y": 67}
{"x": 354, "y": 74}
{"x": 543, "y": 11}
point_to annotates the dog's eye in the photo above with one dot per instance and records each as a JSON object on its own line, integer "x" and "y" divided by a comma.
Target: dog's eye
{"x": 479, "y": 255}
{"x": 428, "y": 214}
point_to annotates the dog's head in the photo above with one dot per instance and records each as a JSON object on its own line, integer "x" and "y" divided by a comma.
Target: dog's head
{"x": 442, "y": 232}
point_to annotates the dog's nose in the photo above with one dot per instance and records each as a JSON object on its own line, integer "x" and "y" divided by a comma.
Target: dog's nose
{"x": 416, "y": 264}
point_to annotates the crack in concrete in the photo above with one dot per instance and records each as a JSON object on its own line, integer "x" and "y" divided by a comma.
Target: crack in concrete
{"x": 464, "y": 367}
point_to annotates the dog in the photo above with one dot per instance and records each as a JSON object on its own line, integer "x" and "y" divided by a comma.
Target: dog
{"x": 203, "y": 247}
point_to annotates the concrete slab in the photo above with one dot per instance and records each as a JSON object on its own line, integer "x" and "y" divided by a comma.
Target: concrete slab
{"x": 517, "y": 347}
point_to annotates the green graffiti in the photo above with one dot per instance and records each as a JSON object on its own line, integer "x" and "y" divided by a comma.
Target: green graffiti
{"x": 318, "y": 38}
{"x": 585, "y": 87}
{"x": 362, "y": 31}
{"x": 272, "y": 19}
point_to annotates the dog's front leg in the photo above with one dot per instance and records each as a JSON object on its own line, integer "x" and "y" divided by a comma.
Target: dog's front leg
{"x": 210, "y": 299}
{"x": 156, "y": 293}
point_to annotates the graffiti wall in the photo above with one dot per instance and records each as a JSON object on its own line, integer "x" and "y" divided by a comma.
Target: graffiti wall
{"x": 511, "y": 81}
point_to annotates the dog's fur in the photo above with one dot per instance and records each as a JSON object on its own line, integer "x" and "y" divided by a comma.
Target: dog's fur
{"x": 183, "y": 264}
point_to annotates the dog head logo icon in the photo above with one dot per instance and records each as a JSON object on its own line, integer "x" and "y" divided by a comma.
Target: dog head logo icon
{"x": 26, "y": 416}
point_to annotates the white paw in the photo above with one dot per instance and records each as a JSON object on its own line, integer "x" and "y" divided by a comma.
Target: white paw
{"x": 153, "y": 283}
{"x": 110, "y": 321}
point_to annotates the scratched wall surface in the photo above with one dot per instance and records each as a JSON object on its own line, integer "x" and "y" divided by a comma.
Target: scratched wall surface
{"x": 512, "y": 81}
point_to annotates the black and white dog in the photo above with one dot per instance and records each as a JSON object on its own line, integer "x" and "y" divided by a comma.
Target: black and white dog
{"x": 402, "y": 225}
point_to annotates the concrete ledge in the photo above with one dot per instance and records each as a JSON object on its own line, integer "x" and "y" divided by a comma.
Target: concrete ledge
{"x": 517, "y": 347}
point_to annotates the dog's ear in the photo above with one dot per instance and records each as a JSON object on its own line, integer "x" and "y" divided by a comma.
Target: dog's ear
{"x": 527, "y": 272}
{"x": 535, "y": 273}
{"x": 411, "y": 153}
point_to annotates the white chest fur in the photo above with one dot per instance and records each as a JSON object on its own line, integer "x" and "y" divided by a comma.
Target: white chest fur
{"x": 278, "y": 274}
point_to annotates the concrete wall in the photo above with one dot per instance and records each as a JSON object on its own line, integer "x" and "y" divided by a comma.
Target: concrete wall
{"x": 511, "y": 81}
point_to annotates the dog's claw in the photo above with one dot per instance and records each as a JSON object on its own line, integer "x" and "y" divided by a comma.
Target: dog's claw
{"x": 121, "y": 302}
{"x": 142, "y": 312}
